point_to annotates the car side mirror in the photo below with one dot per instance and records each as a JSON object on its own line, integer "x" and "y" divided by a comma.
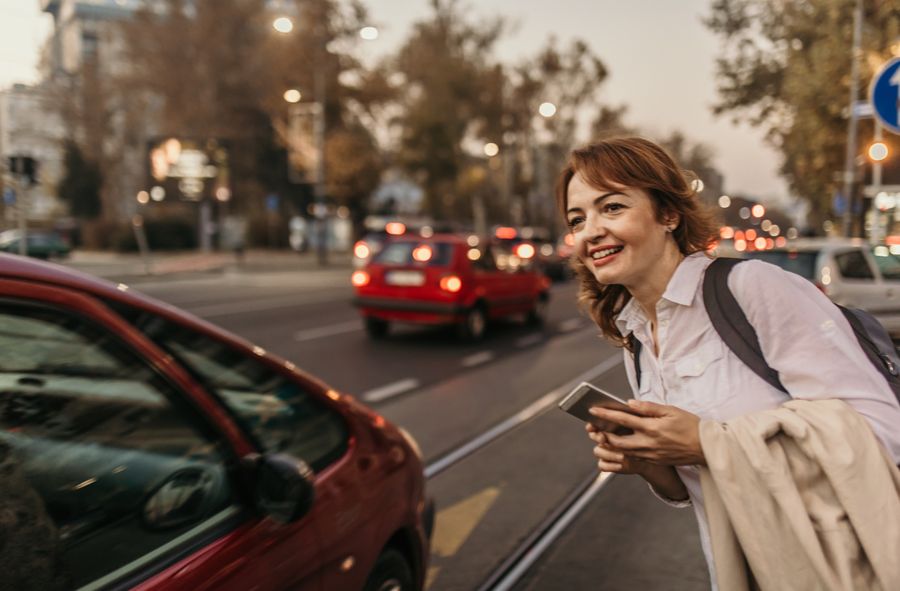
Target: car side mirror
{"x": 285, "y": 487}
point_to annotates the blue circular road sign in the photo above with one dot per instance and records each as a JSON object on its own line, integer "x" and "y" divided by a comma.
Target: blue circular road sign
{"x": 885, "y": 95}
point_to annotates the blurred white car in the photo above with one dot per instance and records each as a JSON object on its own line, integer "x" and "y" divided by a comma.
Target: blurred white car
{"x": 851, "y": 272}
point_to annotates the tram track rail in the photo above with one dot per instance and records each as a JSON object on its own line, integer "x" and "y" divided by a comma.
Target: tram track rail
{"x": 517, "y": 563}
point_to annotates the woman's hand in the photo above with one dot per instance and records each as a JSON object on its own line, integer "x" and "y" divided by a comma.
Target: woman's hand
{"x": 610, "y": 460}
{"x": 661, "y": 435}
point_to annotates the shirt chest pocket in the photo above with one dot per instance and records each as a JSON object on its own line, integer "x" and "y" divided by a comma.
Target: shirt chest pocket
{"x": 699, "y": 383}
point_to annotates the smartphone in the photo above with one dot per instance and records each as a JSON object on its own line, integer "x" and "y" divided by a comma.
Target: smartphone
{"x": 584, "y": 396}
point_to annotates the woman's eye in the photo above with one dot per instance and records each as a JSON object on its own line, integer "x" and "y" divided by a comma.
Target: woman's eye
{"x": 575, "y": 221}
{"x": 613, "y": 207}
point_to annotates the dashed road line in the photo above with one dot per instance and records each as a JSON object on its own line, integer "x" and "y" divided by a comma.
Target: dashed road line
{"x": 529, "y": 340}
{"x": 570, "y": 324}
{"x": 477, "y": 358}
{"x": 327, "y": 331}
{"x": 390, "y": 390}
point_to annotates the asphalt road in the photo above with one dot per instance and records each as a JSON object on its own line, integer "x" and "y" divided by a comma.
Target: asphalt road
{"x": 492, "y": 497}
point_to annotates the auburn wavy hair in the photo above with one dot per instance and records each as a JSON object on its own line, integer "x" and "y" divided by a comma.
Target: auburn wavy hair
{"x": 636, "y": 163}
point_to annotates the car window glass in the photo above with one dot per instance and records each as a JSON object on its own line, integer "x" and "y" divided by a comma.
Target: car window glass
{"x": 99, "y": 463}
{"x": 405, "y": 253}
{"x": 887, "y": 261}
{"x": 853, "y": 265}
{"x": 277, "y": 411}
{"x": 485, "y": 260}
{"x": 801, "y": 263}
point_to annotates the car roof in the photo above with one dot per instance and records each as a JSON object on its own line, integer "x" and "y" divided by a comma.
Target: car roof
{"x": 449, "y": 238}
{"x": 817, "y": 244}
{"x": 28, "y": 269}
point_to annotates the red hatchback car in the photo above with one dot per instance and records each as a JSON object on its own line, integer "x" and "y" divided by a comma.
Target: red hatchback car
{"x": 142, "y": 447}
{"x": 449, "y": 279}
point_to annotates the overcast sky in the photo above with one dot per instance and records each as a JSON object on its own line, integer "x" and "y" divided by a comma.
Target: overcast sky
{"x": 659, "y": 54}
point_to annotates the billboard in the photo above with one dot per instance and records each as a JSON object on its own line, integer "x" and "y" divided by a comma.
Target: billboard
{"x": 187, "y": 169}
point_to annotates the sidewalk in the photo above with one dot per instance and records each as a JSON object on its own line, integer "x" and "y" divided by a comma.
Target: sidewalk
{"x": 133, "y": 267}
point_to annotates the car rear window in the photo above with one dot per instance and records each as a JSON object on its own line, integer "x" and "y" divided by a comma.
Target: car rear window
{"x": 801, "y": 263}
{"x": 887, "y": 261}
{"x": 432, "y": 254}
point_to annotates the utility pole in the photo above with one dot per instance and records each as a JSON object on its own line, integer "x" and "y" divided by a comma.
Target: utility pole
{"x": 321, "y": 209}
{"x": 850, "y": 156}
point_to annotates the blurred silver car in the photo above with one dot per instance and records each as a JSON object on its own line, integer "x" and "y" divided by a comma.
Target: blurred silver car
{"x": 851, "y": 272}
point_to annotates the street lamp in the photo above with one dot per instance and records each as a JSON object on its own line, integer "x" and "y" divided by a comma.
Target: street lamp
{"x": 547, "y": 109}
{"x": 285, "y": 25}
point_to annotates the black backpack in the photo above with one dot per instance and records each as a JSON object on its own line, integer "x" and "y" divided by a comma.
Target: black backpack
{"x": 732, "y": 325}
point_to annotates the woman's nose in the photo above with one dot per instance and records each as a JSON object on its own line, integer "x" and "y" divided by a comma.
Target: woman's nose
{"x": 594, "y": 228}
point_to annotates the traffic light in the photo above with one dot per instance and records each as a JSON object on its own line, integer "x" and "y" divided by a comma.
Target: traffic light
{"x": 25, "y": 166}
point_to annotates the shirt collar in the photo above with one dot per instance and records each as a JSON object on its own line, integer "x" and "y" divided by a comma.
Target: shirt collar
{"x": 681, "y": 290}
{"x": 686, "y": 280}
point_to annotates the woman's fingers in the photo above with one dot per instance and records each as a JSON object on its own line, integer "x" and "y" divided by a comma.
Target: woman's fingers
{"x": 628, "y": 420}
{"x": 608, "y": 455}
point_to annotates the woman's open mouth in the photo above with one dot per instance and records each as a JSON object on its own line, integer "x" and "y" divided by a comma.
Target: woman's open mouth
{"x": 601, "y": 257}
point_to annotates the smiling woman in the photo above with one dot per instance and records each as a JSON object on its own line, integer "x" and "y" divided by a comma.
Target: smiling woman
{"x": 640, "y": 238}
{"x": 627, "y": 194}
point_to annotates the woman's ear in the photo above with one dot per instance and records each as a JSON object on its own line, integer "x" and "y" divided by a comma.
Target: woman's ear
{"x": 671, "y": 221}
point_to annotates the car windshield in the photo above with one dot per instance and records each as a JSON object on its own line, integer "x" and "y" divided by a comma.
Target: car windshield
{"x": 801, "y": 263}
{"x": 432, "y": 254}
{"x": 887, "y": 261}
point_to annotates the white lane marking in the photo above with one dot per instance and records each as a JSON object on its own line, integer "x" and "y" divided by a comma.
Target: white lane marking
{"x": 477, "y": 358}
{"x": 389, "y": 390}
{"x": 535, "y": 552}
{"x": 570, "y": 324}
{"x": 529, "y": 340}
{"x": 327, "y": 331}
{"x": 532, "y": 410}
{"x": 259, "y": 305}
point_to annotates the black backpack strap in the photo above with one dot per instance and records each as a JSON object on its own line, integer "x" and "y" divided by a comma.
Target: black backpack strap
{"x": 636, "y": 357}
{"x": 731, "y": 323}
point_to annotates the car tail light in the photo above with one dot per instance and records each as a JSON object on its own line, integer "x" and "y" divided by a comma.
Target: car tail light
{"x": 525, "y": 251}
{"x": 395, "y": 228}
{"x": 359, "y": 279}
{"x": 451, "y": 283}
{"x": 361, "y": 250}
{"x": 505, "y": 233}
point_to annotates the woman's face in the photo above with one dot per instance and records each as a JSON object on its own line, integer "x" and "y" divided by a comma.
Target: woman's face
{"x": 617, "y": 235}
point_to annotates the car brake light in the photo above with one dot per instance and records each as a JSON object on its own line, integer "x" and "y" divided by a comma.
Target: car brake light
{"x": 361, "y": 250}
{"x": 505, "y": 233}
{"x": 451, "y": 283}
{"x": 395, "y": 228}
{"x": 524, "y": 251}
{"x": 359, "y": 279}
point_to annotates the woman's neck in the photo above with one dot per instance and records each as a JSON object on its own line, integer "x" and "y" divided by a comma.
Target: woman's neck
{"x": 649, "y": 292}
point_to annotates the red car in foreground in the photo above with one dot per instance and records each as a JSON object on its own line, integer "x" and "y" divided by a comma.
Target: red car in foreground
{"x": 142, "y": 447}
{"x": 449, "y": 279}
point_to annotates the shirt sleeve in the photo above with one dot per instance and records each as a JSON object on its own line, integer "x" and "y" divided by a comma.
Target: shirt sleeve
{"x": 806, "y": 338}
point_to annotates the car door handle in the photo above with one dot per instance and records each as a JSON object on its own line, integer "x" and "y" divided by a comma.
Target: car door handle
{"x": 30, "y": 381}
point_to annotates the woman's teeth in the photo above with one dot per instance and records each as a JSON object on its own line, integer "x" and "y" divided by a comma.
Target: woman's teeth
{"x": 605, "y": 252}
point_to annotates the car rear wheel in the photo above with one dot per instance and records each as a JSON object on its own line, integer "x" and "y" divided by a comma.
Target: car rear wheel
{"x": 391, "y": 573}
{"x": 377, "y": 328}
{"x": 474, "y": 324}
{"x": 538, "y": 314}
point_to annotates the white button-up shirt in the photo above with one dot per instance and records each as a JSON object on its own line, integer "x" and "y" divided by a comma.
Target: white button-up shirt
{"x": 803, "y": 336}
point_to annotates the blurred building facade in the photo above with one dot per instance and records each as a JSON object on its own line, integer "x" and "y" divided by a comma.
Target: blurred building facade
{"x": 30, "y": 128}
